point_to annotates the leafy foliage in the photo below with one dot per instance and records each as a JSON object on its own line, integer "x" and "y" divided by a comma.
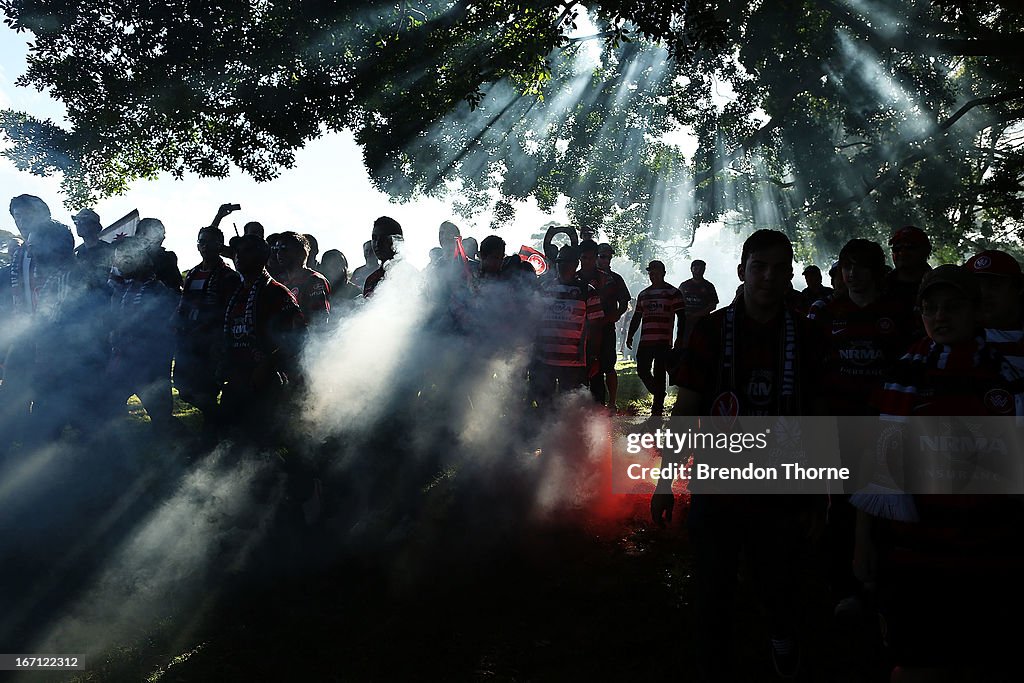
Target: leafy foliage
{"x": 825, "y": 118}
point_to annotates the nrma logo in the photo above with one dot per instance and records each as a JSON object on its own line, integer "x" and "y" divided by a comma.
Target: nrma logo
{"x": 963, "y": 445}
{"x": 861, "y": 354}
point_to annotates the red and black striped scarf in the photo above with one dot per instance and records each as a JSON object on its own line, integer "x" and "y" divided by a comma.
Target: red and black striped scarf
{"x": 786, "y": 391}
{"x": 242, "y": 335}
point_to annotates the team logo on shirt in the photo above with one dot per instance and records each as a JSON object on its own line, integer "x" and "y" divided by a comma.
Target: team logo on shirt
{"x": 999, "y": 401}
{"x": 759, "y": 388}
{"x": 725, "y": 409}
{"x": 885, "y": 325}
{"x": 654, "y": 306}
{"x": 861, "y": 353}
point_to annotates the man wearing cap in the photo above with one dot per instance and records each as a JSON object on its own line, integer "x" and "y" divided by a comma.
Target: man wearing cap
{"x": 947, "y": 567}
{"x": 701, "y": 297}
{"x": 656, "y": 306}
{"x": 999, "y": 277}
{"x": 37, "y": 289}
{"x": 910, "y": 250}
{"x": 572, "y": 317}
{"x": 815, "y": 290}
{"x": 94, "y": 256}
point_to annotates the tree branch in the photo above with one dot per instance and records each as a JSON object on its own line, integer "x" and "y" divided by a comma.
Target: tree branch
{"x": 916, "y": 156}
{"x": 864, "y": 143}
{"x": 994, "y": 44}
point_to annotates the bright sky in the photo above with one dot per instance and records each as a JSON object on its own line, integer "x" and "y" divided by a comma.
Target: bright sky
{"x": 327, "y": 193}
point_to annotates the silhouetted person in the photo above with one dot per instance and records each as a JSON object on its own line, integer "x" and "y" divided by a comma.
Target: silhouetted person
{"x": 753, "y": 357}
{"x": 657, "y": 307}
{"x": 334, "y": 266}
{"x": 199, "y": 326}
{"x": 310, "y": 288}
{"x": 28, "y": 211}
{"x": 371, "y": 264}
{"x": 836, "y": 277}
{"x": 446, "y": 235}
{"x": 34, "y": 292}
{"x": 615, "y": 299}
{"x": 910, "y": 251}
{"x": 701, "y": 297}
{"x": 600, "y": 281}
{"x": 273, "y": 266}
{"x": 815, "y": 290}
{"x": 386, "y": 236}
{"x": 861, "y": 336}
{"x": 470, "y": 246}
{"x": 142, "y": 342}
{"x": 499, "y": 303}
{"x": 150, "y": 233}
{"x": 314, "y": 251}
{"x": 551, "y": 249}
{"x": 1000, "y": 282}
{"x": 94, "y": 256}
{"x": 264, "y": 331}
{"x": 492, "y": 257}
{"x": 253, "y": 228}
{"x": 914, "y": 546}
{"x": 572, "y": 314}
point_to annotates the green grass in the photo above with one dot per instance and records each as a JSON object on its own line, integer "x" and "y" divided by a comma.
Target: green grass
{"x": 633, "y": 397}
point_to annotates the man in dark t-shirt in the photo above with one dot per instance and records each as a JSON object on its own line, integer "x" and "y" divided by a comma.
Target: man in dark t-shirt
{"x": 615, "y": 298}
{"x": 700, "y": 296}
{"x": 910, "y": 251}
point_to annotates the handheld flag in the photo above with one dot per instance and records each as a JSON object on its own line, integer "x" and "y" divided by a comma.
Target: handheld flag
{"x": 535, "y": 259}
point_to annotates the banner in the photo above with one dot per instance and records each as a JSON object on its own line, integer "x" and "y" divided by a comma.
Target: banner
{"x": 534, "y": 258}
{"x": 121, "y": 228}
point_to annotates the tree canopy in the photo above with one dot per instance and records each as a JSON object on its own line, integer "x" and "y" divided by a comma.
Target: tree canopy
{"x": 824, "y": 118}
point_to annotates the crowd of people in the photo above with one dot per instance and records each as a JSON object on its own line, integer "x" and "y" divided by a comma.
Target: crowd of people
{"x": 896, "y": 343}
{"x": 892, "y": 342}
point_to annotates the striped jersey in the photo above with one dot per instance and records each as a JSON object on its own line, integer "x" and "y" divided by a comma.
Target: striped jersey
{"x": 568, "y": 308}
{"x": 1009, "y": 343}
{"x": 313, "y": 293}
{"x": 657, "y": 308}
{"x": 970, "y": 378}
